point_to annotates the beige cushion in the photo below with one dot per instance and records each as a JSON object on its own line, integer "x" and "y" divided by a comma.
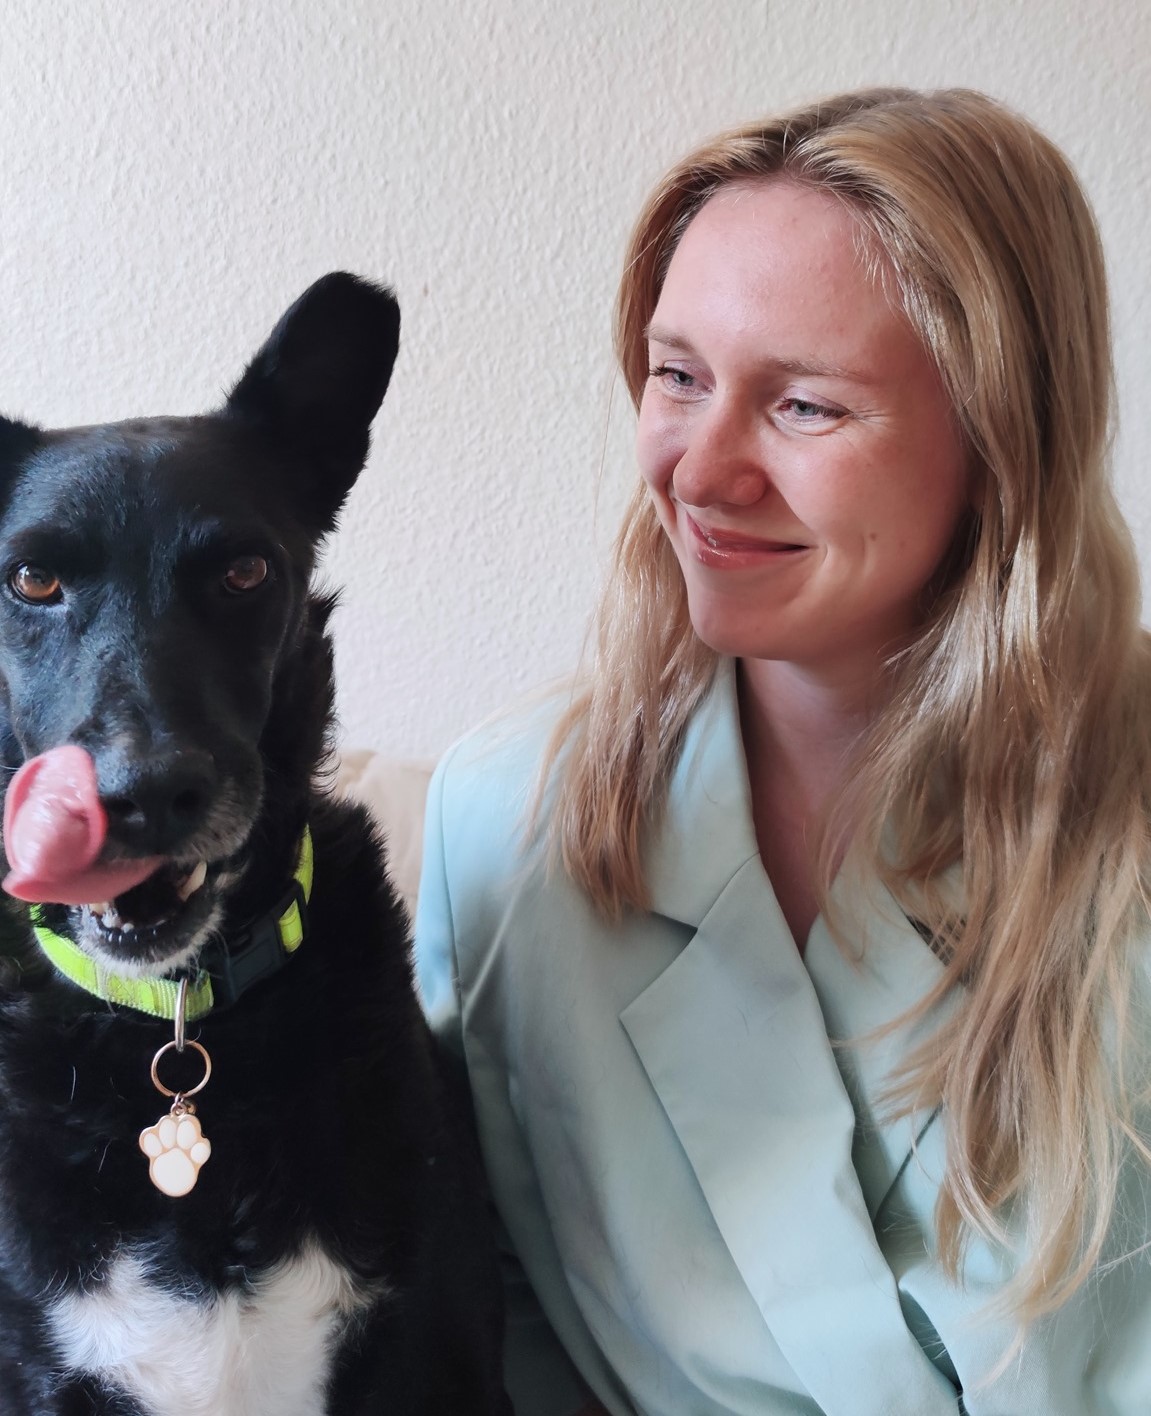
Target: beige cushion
{"x": 394, "y": 789}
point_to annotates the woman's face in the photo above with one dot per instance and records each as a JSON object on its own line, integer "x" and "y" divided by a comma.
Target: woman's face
{"x": 795, "y": 436}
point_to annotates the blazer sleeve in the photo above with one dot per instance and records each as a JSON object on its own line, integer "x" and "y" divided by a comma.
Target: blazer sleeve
{"x": 435, "y": 951}
{"x": 540, "y": 1378}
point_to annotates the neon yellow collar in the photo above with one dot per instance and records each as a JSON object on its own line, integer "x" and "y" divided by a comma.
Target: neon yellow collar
{"x": 227, "y": 969}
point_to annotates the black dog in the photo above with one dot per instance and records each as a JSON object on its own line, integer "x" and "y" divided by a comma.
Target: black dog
{"x": 156, "y": 616}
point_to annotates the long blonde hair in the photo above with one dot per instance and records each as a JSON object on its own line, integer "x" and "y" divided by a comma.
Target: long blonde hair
{"x": 1016, "y": 741}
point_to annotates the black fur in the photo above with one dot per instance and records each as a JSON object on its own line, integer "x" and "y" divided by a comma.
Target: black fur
{"x": 206, "y": 713}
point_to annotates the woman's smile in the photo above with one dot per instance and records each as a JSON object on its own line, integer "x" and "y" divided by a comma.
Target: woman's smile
{"x": 728, "y": 549}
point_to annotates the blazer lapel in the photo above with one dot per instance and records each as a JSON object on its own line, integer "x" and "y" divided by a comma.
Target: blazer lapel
{"x": 734, "y": 1041}
{"x": 889, "y": 970}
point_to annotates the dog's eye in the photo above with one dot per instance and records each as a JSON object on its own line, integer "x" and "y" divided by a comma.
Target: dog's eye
{"x": 245, "y": 573}
{"x": 35, "y": 585}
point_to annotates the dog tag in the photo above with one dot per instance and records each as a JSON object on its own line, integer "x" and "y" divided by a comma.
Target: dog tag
{"x": 176, "y": 1148}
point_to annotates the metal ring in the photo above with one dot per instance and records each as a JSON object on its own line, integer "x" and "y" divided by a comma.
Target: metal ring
{"x": 181, "y": 1007}
{"x": 184, "y": 1091}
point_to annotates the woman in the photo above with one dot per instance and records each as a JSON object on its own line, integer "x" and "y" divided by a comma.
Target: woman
{"x": 807, "y": 1030}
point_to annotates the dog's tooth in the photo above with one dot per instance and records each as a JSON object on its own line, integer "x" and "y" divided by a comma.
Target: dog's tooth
{"x": 100, "y": 909}
{"x": 110, "y": 918}
{"x": 193, "y": 881}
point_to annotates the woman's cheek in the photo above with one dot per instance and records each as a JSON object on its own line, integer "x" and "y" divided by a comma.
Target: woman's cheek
{"x": 657, "y": 452}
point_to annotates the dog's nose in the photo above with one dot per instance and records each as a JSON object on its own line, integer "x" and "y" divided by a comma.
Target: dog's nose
{"x": 155, "y": 804}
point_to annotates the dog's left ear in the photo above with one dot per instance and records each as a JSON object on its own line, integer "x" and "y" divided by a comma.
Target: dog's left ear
{"x": 318, "y": 381}
{"x": 17, "y": 440}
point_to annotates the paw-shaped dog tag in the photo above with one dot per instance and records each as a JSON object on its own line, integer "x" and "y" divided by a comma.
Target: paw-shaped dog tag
{"x": 176, "y": 1149}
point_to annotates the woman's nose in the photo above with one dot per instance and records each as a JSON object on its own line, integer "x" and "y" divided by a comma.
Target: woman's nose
{"x": 722, "y": 462}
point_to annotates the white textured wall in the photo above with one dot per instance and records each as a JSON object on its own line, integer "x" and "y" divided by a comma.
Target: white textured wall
{"x": 175, "y": 173}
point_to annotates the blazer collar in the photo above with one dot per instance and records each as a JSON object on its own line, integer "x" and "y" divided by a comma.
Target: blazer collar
{"x": 705, "y": 832}
{"x": 705, "y": 850}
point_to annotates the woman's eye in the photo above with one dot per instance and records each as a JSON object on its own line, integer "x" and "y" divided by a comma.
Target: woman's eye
{"x": 807, "y": 411}
{"x": 35, "y": 585}
{"x": 246, "y": 573}
{"x": 672, "y": 377}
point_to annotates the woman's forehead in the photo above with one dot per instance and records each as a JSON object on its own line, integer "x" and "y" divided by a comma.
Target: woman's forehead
{"x": 777, "y": 260}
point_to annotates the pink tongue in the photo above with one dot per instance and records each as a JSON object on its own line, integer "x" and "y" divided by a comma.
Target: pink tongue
{"x": 54, "y": 829}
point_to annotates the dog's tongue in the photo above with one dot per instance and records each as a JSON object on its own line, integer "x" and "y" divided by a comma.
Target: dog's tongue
{"x": 54, "y": 830}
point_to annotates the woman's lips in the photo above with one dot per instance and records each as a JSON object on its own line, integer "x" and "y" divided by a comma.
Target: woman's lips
{"x": 715, "y": 546}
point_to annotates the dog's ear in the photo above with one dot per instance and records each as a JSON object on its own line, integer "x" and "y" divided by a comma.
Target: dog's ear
{"x": 318, "y": 381}
{"x": 17, "y": 440}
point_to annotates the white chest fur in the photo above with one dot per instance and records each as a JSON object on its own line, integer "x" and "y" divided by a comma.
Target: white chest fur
{"x": 265, "y": 1352}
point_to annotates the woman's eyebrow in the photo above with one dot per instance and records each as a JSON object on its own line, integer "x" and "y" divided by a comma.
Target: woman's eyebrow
{"x": 820, "y": 368}
{"x": 800, "y": 368}
{"x": 659, "y": 335}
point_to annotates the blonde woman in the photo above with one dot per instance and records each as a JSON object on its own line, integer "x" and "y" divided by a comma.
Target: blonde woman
{"x": 799, "y": 960}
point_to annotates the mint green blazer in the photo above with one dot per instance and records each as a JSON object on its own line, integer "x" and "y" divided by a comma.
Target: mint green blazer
{"x": 704, "y": 1194}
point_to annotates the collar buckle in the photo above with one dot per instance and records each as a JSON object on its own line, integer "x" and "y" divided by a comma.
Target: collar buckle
{"x": 256, "y": 952}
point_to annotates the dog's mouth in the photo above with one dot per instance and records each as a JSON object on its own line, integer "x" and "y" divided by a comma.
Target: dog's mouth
{"x": 160, "y": 922}
{"x": 136, "y": 914}
{"x": 153, "y": 903}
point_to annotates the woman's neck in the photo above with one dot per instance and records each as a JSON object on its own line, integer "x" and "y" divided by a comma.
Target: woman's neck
{"x": 799, "y": 732}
